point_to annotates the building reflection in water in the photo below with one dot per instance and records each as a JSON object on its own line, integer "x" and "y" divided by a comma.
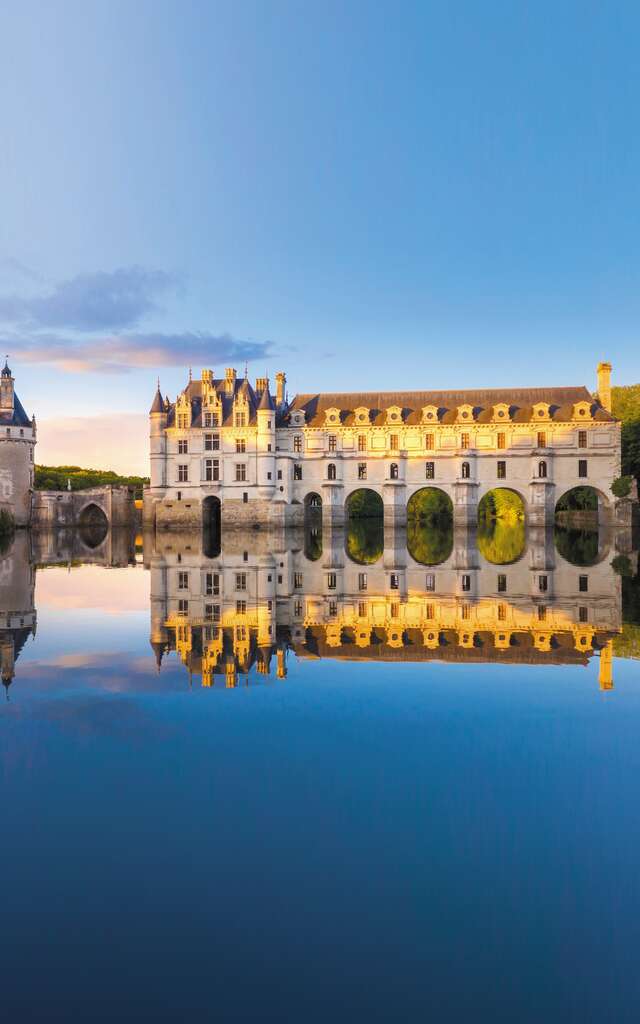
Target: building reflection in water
{"x": 365, "y": 592}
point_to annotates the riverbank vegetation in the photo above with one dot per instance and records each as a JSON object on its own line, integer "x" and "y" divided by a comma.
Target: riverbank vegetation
{"x": 54, "y": 478}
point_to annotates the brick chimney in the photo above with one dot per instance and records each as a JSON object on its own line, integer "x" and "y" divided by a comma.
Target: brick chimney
{"x": 281, "y": 383}
{"x": 604, "y": 385}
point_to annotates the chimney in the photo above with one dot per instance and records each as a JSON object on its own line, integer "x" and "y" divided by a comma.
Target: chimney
{"x": 262, "y": 383}
{"x": 207, "y": 377}
{"x": 229, "y": 380}
{"x": 604, "y": 385}
{"x": 281, "y": 381}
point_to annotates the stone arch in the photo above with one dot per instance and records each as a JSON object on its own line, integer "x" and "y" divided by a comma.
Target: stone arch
{"x": 93, "y": 525}
{"x": 363, "y": 503}
{"x": 430, "y": 526}
{"x": 313, "y": 501}
{"x": 583, "y": 498}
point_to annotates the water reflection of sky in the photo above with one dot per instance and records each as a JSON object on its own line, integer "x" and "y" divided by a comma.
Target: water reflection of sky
{"x": 359, "y": 840}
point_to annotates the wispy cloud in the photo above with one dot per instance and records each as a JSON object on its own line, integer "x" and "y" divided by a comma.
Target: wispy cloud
{"x": 51, "y": 328}
{"x": 126, "y": 352}
{"x": 91, "y": 302}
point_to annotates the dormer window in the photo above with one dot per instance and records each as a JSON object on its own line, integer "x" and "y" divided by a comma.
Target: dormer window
{"x": 430, "y": 414}
{"x": 501, "y": 411}
{"x": 333, "y": 416}
{"x": 541, "y": 411}
{"x": 361, "y": 415}
{"x": 465, "y": 413}
{"x": 582, "y": 411}
{"x": 394, "y": 414}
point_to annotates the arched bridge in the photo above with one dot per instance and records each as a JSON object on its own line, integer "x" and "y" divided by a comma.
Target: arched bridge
{"x": 95, "y": 506}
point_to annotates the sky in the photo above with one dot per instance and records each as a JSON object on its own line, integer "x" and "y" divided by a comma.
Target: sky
{"x": 364, "y": 195}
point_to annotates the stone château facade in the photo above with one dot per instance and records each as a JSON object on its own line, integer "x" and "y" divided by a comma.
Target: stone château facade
{"x": 263, "y": 459}
{"x": 17, "y": 443}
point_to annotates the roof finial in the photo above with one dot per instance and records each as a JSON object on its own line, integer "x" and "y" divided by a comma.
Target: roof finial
{"x": 190, "y": 375}
{"x": 158, "y": 383}
{"x": 246, "y": 369}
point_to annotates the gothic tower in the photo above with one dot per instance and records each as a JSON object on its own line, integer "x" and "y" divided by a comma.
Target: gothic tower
{"x": 17, "y": 443}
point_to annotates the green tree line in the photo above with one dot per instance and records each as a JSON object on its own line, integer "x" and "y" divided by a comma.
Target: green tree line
{"x": 626, "y": 407}
{"x": 54, "y": 478}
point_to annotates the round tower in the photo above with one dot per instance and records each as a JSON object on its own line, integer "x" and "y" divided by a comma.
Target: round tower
{"x": 266, "y": 441}
{"x": 158, "y": 416}
{"x": 17, "y": 443}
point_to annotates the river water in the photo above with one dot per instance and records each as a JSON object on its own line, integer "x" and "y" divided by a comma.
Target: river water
{"x": 320, "y": 776}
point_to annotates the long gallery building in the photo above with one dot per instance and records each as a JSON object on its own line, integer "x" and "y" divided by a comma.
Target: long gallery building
{"x": 265, "y": 459}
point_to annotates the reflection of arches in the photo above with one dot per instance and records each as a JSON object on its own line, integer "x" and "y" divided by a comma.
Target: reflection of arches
{"x": 430, "y": 526}
{"x": 312, "y": 542}
{"x": 93, "y": 515}
{"x": 581, "y": 546}
{"x": 364, "y": 539}
{"x": 501, "y": 526}
{"x": 211, "y": 509}
{"x": 364, "y": 503}
{"x": 429, "y": 503}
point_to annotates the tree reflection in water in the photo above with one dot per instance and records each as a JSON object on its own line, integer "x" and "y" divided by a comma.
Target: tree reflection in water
{"x": 577, "y": 546}
{"x": 430, "y": 543}
{"x": 501, "y": 541}
{"x": 364, "y": 540}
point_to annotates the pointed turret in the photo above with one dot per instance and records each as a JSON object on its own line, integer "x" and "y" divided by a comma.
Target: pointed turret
{"x": 158, "y": 401}
{"x": 266, "y": 401}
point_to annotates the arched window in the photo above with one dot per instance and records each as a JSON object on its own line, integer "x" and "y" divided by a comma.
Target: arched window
{"x": 542, "y": 469}
{"x": 466, "y": 470}
{"x": 331, "y": 471}
{"x": 393, "y": 470}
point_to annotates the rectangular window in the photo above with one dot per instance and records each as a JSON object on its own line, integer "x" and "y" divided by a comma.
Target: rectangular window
{"x": 583, "y": 614}
{"x": 362, "y": 609}
{"x": 183, "y": 581}
{"x": 465, "y": 611}
{"x": 582, "y": 439}
{"x": 241, "y": 471}
{"x": 241, "y": 631}
{"x": 297, "y": 443}
{"x": 583, "y": 584}
{"x": 429, "y": 442}
{"x": 211, "y": 419}
{"x": 183, "y": 446}
{"x": 297, "y": 608}
{"x": 362, "y": 581}
{"x": 241, "y": 445}
{"x": 429, "y": 611}
{"x": 297, "y": 580}
{"x": 502, "y": 470}
{"x": 241, "y": 581}
{"x": 333, "y": 609}
{"x": 542, "y": 439}
{"x": 362, "y": 442}
{"x": 240, "y": 419}
{"x": 464, "y": 441}
{"x": 430, "y": 470}
{"x": 212, "y": 584}
{"x": 582, "y": 467}
{"x": 362, "y": 471}
{"x": 502, "y": 583}
{"x": 183, "y": 421}
{"x": 502, "y": 440}
{"x": 279, "y": 474}
{"x": 542, "y": 613}
{"x": 393, "y": 442}
{"x": 543, "y": 584}
{"x": 394, "y": 581}
{"x": 212, "y": 469}
{"x": 297, "y": 471}
{"x": 183, "y": 474}
{"x": 430, "y": 583}
{"x": 502, "y": 612}
{"x": 183, "y": 606}
{"x": 394, "y": 610}
{"x": 465, "y": 583}
{"x": 212, "y": 612}
{"x": 333, "y": 442}
{"x": 331, "y": 581}
{"x": 241, "y": 607}
{"x": 212, "y": 442}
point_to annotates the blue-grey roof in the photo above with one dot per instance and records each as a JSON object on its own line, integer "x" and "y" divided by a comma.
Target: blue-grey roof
{"x": 19, "y": 418}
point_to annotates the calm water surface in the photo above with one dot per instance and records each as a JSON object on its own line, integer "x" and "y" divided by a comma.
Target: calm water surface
{"x": 296, "y": 809}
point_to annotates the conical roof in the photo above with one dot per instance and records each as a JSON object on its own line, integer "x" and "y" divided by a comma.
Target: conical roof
{"x": 266, "y": 401}
{"x": 158, "y": 402}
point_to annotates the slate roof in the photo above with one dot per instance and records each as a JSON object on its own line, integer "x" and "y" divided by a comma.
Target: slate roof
{"x": 19, "y": 417}
{"x": 519, "y": 400}
{"x": 255, "y": 400}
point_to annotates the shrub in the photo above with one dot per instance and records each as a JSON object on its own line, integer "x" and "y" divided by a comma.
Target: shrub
{"x": 7, "y": 523}
{"x": 621, "y": 486}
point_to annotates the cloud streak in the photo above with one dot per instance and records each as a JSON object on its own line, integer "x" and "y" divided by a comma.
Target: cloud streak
{"x": 126, "y": 352}
{"x": 91, "y": 302}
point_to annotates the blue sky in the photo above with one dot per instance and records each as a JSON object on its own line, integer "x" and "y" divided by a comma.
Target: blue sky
{"x": 365, "y": 195}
